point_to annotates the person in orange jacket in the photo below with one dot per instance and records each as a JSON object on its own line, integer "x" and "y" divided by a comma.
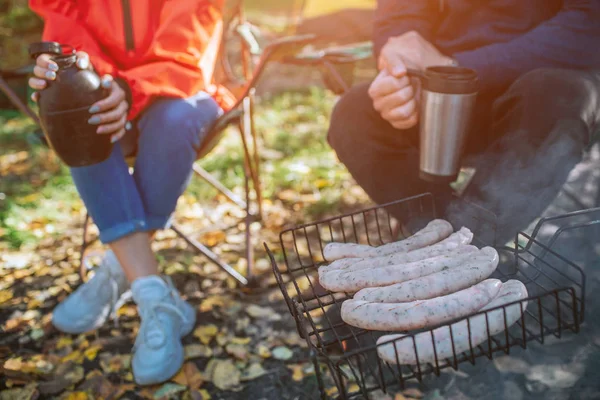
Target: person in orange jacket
{"x": 158, "y": 62}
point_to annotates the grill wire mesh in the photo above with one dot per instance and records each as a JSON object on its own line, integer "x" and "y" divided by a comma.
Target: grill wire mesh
{"x": 556, "y": 288}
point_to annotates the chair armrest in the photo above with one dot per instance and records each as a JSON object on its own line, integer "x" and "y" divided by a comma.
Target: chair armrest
{"x": 351, "y": 53}
{"x": 277, "y": 50}
{"x": 17, "y": 73}
{"x": 248, "y": 33}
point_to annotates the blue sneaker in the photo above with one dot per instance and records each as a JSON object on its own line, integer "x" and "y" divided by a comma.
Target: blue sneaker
{"x": 158, "y": 352}
{"x": 88, "y": 307}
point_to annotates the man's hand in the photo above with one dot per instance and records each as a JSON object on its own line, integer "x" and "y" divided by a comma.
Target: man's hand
{"x": 395, "y": 99}
{"x": 395, "y": 95}
{"x": 110, "y": 113}
{"x": 410, "y": 50}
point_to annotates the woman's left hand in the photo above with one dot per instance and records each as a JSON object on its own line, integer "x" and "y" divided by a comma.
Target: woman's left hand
{"x": 110, "y": 113}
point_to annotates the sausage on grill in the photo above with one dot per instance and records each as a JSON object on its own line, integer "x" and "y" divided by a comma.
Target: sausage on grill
{"x": 435, "y": 231}
{"x": 349, "y": 280}
{"x": 402, "y": 350}
{"x": 463, "y": 237}
{"x": 419, "y": 314}
{"x": 460, "y": 273}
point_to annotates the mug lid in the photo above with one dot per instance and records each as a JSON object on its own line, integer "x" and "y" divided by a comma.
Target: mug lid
{"x": 451, "y": 80}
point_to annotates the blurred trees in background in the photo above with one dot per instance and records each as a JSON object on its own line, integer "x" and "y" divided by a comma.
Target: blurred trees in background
{"x": 19, "y": 26}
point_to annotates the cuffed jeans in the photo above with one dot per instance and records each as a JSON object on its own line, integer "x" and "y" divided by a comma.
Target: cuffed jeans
{"x": 523, "y": 145}
{"x": 170, "y": 133}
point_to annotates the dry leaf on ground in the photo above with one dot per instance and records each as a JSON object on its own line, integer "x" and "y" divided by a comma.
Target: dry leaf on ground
{"x": 255, "y": 370}
{"x": 282, "y": 353}
{"x": 206, "y": 332}
{"x": 28, "y": 392}
{"x": 189, "y": 376}
{"x": 197, "y": 351}
{"x": 201, "y": 394}
{"x": 223, "y": 374}
{"x": 167, "y": 390}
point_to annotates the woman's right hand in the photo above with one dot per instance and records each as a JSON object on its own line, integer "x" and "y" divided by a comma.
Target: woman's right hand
{"x": 45, "y": 70}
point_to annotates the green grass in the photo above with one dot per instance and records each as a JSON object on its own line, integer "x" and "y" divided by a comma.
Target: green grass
{"x": 37, "y": 191}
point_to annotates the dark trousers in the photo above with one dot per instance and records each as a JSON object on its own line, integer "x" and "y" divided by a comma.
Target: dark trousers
{"x": 523, "y": 145}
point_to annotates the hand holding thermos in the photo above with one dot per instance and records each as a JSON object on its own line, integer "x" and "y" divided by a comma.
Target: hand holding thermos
{"x": 419, "y": 84}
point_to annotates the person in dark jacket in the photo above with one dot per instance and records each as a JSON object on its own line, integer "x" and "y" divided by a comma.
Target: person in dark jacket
{"x": 538, "y": 63}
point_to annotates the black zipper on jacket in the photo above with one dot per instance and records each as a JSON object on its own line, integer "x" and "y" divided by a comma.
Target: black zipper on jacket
{"x": 128, "y": 25}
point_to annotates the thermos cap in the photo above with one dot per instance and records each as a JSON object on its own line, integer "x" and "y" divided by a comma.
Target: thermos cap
{"x": 451, "y": 80}
{"x": 53, "y": 48}
{"x": 35, "y": 49}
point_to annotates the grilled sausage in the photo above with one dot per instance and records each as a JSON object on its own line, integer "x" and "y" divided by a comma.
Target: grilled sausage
{"x": 512, "y": 290}
{"x": 459, "y": 273}
{"x": 463, "y": 237}
{"x": 349, "y": 280}
{"x": 419, "y": 314}
{"x": 435, "y": 231}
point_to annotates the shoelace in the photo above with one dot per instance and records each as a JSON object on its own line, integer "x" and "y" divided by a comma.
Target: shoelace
{"x": 151, "y": 321}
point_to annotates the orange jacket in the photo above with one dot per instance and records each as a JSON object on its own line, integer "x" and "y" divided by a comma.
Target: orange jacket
{"x": 160, "y": 48}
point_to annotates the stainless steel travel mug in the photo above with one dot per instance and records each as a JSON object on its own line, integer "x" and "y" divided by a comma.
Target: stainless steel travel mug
{"x": 447, "y": 104}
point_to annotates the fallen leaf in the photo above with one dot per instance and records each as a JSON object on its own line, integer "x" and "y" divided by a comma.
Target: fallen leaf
{"x": 222, "y": 338}
{"x": 353, "y": 388}
{"x": 75, "y": 374}
{"x": 262, "y": 312}
{"x": 30, "y": 315}
{"x": 201, "y": 394}
{"x": 167, "y": 390}
{"x": 255, "y": 370}
{"x": 13, "y": 364}
{"x": 91, "y": 352}
{"x": 127, "y": 310}
{"x": 282, "y": 353}
{"x": 55, "y": 386}
{"x": 75, "y": 356}
{"x": 240, "y": 340}
{"x": 413, "y": 392}
{"x": 206, "y": 332}
{"x": 214, "y": 301}
{"x": 399, "y": 396}
{"x": 210, "y": 239}
{"x": 5, "y": 295}
{"x": 225, "y": 375}
{"x": 263, "y": 351}
{"x": 189, "y": 376}
{"x": 114, "y": 363}
{"x": 297, "y": 372}
{"x": 28, "y": 392}
{"x": 197, "y": 351}
{"x": 262, "y": 265}
{"x": 37, "y": 334}
{"x": 237, "y": 350}
{"x": 76, "y": 396}
{"x": 100, "y": 386}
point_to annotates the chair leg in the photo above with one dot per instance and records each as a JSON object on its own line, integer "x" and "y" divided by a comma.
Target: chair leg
{"x": 248, "y": 222}
{"x": 248, "y": 163}
{"x": 211, "y": 180}
{"x": 211, "y": 256}
{"x": 84, "y": 245}
{"x": 6, "y": 89}
{"x": 251, "y": 133}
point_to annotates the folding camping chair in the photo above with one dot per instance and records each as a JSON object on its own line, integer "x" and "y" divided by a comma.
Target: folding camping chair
{"x": 343, "y": 30}
{"x": 253, "y": 60}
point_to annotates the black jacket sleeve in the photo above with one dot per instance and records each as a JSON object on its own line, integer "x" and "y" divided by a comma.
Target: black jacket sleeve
{"x": 395, "y": 17}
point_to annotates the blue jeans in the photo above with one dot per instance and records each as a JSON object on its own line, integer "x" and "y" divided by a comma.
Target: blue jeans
{"x": 170, "y": 133}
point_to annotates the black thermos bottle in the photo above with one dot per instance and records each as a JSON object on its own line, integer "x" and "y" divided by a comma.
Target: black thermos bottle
{"x": 64, "y": 109}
